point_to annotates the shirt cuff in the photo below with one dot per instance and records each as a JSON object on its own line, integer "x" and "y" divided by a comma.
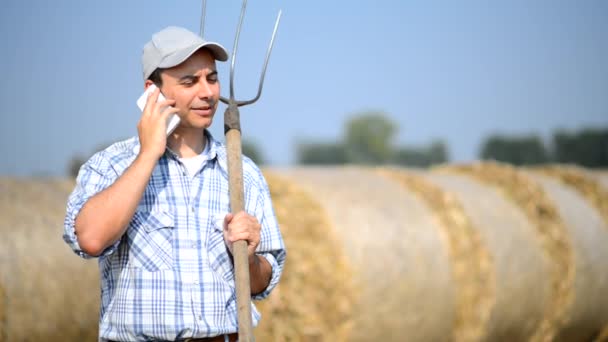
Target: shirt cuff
{"x": 274, "y": 279}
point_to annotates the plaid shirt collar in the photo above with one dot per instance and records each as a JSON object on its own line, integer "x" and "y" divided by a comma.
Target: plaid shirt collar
{"x": 215, "y": 151}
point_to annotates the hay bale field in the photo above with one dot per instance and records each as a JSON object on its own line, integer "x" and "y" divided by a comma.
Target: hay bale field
{"x": 480, "y": 252}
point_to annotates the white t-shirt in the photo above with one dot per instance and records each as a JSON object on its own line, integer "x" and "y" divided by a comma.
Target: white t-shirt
{"x": 194, "y": 164}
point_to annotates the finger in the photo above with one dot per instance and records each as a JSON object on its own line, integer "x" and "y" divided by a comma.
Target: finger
{"x": 152, "y": 98}
{"x": 161, "y": 105}
{"x": 241, "y": 215}
{"x": 233, "y": 237}
{"x": 168, "y": 111}
{"x": 227, "y": 219}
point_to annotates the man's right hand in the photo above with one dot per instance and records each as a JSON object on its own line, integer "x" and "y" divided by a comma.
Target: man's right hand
{"x": 152, "y": 127}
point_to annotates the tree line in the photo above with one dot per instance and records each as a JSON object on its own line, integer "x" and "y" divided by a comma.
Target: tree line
{"x": 369, "y": 139}
{"x": 585, "y": 147}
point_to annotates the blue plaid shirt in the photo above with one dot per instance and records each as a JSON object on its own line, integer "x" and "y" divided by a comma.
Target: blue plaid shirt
{"x": 170, "y": 275}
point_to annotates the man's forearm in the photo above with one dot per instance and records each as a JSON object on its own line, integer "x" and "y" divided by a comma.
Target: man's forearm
{"x": 104, "y": 217}
{"x": 260, "y": 272}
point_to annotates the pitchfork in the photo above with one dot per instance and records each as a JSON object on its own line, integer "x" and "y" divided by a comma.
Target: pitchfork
{"x": 232, "y": 130}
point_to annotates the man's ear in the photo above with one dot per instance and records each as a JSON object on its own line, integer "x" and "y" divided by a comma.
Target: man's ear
{"x": 147, "y": 84}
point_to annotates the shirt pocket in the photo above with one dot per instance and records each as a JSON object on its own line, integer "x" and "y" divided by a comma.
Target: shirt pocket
{"x": 220, "y": 259}
{"x": 151, "y": 241}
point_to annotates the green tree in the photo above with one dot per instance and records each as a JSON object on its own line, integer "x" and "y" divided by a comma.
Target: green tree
{"x": 369, "y": 137}
{"x": 252, "y": 150}
{"x": 435, "y": 153}
{"x": 587, "y": 147}
{"x": 321, "y": 153}
{"x": 523, "y": 150}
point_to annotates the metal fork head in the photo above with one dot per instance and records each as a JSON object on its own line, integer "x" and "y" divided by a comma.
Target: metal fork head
{"x": 231, "y": 101}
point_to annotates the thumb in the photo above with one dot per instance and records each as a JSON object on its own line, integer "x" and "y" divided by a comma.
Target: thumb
{"x": 227, "y": 219}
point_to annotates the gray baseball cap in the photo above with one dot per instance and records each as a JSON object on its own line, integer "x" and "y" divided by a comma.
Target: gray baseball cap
{"x": 172, "y": 46}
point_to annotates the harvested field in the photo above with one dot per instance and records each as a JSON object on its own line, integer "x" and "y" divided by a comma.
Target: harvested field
{"x": 482, "y": 252}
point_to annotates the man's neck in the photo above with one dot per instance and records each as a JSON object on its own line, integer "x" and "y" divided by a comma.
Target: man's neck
{"x": 187, "y": 143}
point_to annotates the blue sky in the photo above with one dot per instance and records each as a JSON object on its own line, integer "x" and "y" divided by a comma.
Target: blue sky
{"x": 455, "y": 70}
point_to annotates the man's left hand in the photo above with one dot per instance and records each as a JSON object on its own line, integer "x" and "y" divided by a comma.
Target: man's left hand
{"x": 242, "y": 226}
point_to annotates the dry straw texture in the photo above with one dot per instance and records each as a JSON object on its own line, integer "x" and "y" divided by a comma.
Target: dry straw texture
{"x": 50, "y": 294}
{"x": 589, "y": 236}
{"x": 396, "y": 250}
{"x": 549, "y": 229}
{"x": 602, "y": 179}
{"x": 313, "y": 301}
{"x": 584, "y": 182}
{"x": 474, "y": 278}
{"x": 518, "y": 262}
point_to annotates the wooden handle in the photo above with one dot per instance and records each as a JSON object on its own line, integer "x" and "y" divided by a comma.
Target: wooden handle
{"x": 239, "y": 249}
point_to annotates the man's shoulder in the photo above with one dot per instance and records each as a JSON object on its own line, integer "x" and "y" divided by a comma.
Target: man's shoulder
{"x": 123, "y": 148}
{"x": 118, "y": 155}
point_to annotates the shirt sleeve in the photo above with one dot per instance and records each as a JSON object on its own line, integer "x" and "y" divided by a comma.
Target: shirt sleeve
{"x": 94, "y": 176}
{"x": 271, "y": 245}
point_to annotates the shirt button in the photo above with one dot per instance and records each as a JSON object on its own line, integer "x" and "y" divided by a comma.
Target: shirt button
{"x": 196, "y": 282}
{"x": 200, "y": 318}
{"x": 192, "y": 209}
{"x": 193, "y": 244}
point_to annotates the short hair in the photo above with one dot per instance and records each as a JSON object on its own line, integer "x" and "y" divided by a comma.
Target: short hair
{"x": 155, "y": 77}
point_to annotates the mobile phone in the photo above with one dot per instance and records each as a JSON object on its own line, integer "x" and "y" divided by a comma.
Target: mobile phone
{"x": 141, "y": 103}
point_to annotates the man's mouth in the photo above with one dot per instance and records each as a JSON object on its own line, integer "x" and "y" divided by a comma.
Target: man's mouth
{"x": 203, "y": 110}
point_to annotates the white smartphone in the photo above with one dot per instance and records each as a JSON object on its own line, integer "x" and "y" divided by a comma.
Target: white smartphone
{"x": 141, "y": 103}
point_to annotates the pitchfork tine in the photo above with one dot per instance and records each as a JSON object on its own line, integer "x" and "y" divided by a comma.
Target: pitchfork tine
{"x": 233, "y": 61}
{"x": 203, "y": 19}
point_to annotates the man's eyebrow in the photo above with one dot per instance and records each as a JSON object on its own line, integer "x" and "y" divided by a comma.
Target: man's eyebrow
{"x": 194, "y": 77}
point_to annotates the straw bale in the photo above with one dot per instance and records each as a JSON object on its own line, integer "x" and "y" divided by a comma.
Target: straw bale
{"x": 518, "y": 262}
{"x": 50, "y": 295}
{"x": 546, "y": 225}
{"x": 602, "y": 336}
{"x": 314, "y": 299}
{"x": 394, "y": 245}
{"x": 588, "y": 311}
{"x": 588, "y": 185}
{"x": 472, "y": 265}
{"x": 602, "y": 177}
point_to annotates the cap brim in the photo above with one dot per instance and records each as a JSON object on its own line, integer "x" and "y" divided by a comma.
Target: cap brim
{"x": 177, "y": 58}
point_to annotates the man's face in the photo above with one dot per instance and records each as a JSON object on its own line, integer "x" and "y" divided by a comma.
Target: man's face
{"x": 195, "y": 87}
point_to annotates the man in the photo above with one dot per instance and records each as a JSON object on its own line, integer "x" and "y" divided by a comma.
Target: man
{"x": 155, "y": 210}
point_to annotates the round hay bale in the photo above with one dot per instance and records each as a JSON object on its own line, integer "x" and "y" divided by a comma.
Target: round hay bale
{"x": 3, "y": 304}
{"x": 578, "y": 206}
{"x": 602, "y": 177}
{"x": 50, "y": 294}
{"x": 547, "y": 253}
{"x": 394, "y": 246}
{"x": 314, "y": 299}
{"x": 472, "y": 265}
{"x": 584, "y": 181}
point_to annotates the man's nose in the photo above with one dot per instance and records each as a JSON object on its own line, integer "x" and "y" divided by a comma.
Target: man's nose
{"x": 204, "y": 91}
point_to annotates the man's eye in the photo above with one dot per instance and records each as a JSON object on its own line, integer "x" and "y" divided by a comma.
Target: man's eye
{"x": 212, "y": 79}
